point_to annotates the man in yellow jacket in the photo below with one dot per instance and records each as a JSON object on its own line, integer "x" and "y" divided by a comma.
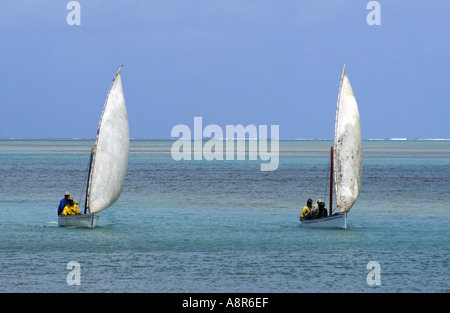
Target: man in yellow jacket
{"x": 71, "y": 208}
{"x": 306, "y": 209}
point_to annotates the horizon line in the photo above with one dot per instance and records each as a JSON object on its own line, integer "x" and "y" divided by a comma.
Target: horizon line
{"x": 208, "y": 138}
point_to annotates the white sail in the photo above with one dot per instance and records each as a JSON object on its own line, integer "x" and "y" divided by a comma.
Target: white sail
{"x": 110, "y": 161}
{"x": 347, "y": 147}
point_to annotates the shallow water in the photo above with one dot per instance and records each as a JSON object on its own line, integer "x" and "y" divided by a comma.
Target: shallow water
{"x": 225, "y": 226}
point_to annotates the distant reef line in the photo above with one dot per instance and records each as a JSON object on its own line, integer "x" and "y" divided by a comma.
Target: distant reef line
{"x": 206, "y": 138}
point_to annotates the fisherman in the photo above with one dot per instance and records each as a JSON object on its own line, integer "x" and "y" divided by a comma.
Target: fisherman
{"x": 318, "y": 210}
{"x": 63, "y": 202}
{"x": 306, "y": 209}
{"x": 71, "y": 208}
{"x": 323, "y": 212}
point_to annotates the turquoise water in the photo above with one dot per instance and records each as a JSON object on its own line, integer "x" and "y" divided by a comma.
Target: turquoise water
{"x": 225, "y": 226}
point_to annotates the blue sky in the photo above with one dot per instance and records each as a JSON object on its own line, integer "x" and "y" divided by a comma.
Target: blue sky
{"x": 261, "y": 62}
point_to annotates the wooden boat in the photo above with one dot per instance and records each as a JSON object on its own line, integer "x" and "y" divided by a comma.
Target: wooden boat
{"x": 337, "y": 220}
{"x": 78, "y": 220}
{"x": 109, "y": 159}
{"x": 345, "y": 158}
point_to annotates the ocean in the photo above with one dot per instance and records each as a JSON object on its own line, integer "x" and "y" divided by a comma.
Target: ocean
{"x": 226, "y": 226}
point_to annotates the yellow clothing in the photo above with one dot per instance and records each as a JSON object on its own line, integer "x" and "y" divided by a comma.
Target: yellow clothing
{"x": 305, "y": 211}
{"x": 71, "y": 210}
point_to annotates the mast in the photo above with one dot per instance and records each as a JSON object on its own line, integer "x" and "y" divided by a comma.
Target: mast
{"x": 88, "y": 184}
{"x": 337, "y": 106}
{"x": 331, "y": 181}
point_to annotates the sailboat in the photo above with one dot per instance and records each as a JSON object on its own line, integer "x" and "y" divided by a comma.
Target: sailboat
{"x": 345, "y": 158}
{"x": 108, "y": 161}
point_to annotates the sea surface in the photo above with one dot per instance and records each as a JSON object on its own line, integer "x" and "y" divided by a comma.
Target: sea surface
{"x": 226, "y": 226}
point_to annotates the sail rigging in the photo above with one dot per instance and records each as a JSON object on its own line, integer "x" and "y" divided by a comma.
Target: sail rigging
{"x": 110, "y": 154}
{"x": 347, "y": 147}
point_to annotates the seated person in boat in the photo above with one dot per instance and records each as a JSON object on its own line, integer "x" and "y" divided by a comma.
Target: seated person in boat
{"x": 63, "y": 203}
{"x": 306, "y": 209}
{"x": 71, "y": 208}
{"x": 317, "y": 211}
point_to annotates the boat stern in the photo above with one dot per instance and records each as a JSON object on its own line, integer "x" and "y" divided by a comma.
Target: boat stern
{"x": 78, "y": 220}
{"x": 337, "y": 220}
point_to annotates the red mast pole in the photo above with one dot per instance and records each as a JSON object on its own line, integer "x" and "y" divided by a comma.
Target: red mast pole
{"x": 331, "y": 182}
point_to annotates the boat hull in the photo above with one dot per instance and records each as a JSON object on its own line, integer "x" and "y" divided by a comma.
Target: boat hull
{"x": 338, "y": 220}
{"x": 78, "y": 220}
